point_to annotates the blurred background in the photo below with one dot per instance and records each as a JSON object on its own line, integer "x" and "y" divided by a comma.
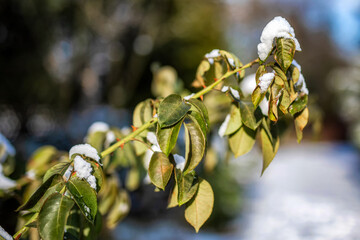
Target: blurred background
{"x": 66, "y": 64}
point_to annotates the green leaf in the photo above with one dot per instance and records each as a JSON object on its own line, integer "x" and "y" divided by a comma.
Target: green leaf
{"x": 108, "y": 194}
{"x": 187, "y": 184}
{"x": 167, "y": 137}
{"x": 53, "y": 216}
{"x": 59, "y": 168}
{"x": 250, "y": 115}
{"x": 301, "y": 120}
{"x": 119, "y": 210}
{"x": 160, "y": 170}
{"x": 202, "y": 109}
{"x": 133, "y": 179}
{"x": 56, "y": 188}
{"x": 299, "y": 104}
{"x": 143, "y": 113}
{"x": 171, "y": 110}
{"x": 96, "y": 140}
{"x": 242, "y": 141}
{"x": 84, "y": 196}
{"x": 199, "y": 209}
{"x": 32, "y": 201}
{"x": 195, "y": 143}
{"x": 284, "y": 53}
{"x": 98, "y": 174}
{"x": 73, "y": 224}
{"x": 196, "y": 117}
{"x": 235, "y": 120}
{"x": 270, "y": 147}
{"x": 91, "y": 231}
{"x": 40, "y": 159}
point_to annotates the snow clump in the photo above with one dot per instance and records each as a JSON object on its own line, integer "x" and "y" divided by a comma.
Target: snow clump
{"x": 279, "y": 27}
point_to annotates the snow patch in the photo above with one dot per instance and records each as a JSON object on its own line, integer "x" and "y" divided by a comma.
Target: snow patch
{"x": 5, "y": 183}
{"x": 213, "y": 54}
{"x": 83, "y": 170}
{"x": 301, "y": 82}
{"x": 109, "y": 138}
{"x": 224, "y": 126}
{"x": 68, "y": 172}
{"x": 98, "y": 127}
{"x": 248, "y": 84}
{"x": 9, "y": 149}
{"x": 277, "y": 28}
{"x": 86, "y": 150}
{"x": 234, "y": 92}
{"x": 265, "y": 81}
{"x": 180, "y": 162}
{"x": 189, "y": 96}
{"x": 5, "y": 234}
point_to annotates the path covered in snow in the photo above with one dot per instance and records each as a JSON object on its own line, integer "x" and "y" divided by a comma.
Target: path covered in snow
{"x": 309, "y": 192}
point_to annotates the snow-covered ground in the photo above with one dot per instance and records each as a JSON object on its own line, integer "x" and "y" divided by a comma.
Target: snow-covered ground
{"x": 309, "y": 192}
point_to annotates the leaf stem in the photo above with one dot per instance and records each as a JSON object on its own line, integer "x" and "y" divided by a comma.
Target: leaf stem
{"x": 154, "y": 120}
{"x": 25, "y": 228}
{"x": 129, "y": 137}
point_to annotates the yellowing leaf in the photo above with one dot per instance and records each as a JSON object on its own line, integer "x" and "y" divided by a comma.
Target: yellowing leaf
{"x": 199, "y": 209}
{"x": 242, "y": 141}
{"x": 301, "y": 120}
{"x": 160, "y": 170}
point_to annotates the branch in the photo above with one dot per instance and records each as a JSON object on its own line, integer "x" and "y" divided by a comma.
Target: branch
{"x": 154, "y": 120}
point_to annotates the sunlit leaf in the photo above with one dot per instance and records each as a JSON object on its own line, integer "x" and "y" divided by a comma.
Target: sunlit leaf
{"x": 171, "y": 110}
{"x": 199, "y": 209}
{"x": 242, "y": 141}
{"x": 160, "y": 169}
{"x": 235, "y": 120}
